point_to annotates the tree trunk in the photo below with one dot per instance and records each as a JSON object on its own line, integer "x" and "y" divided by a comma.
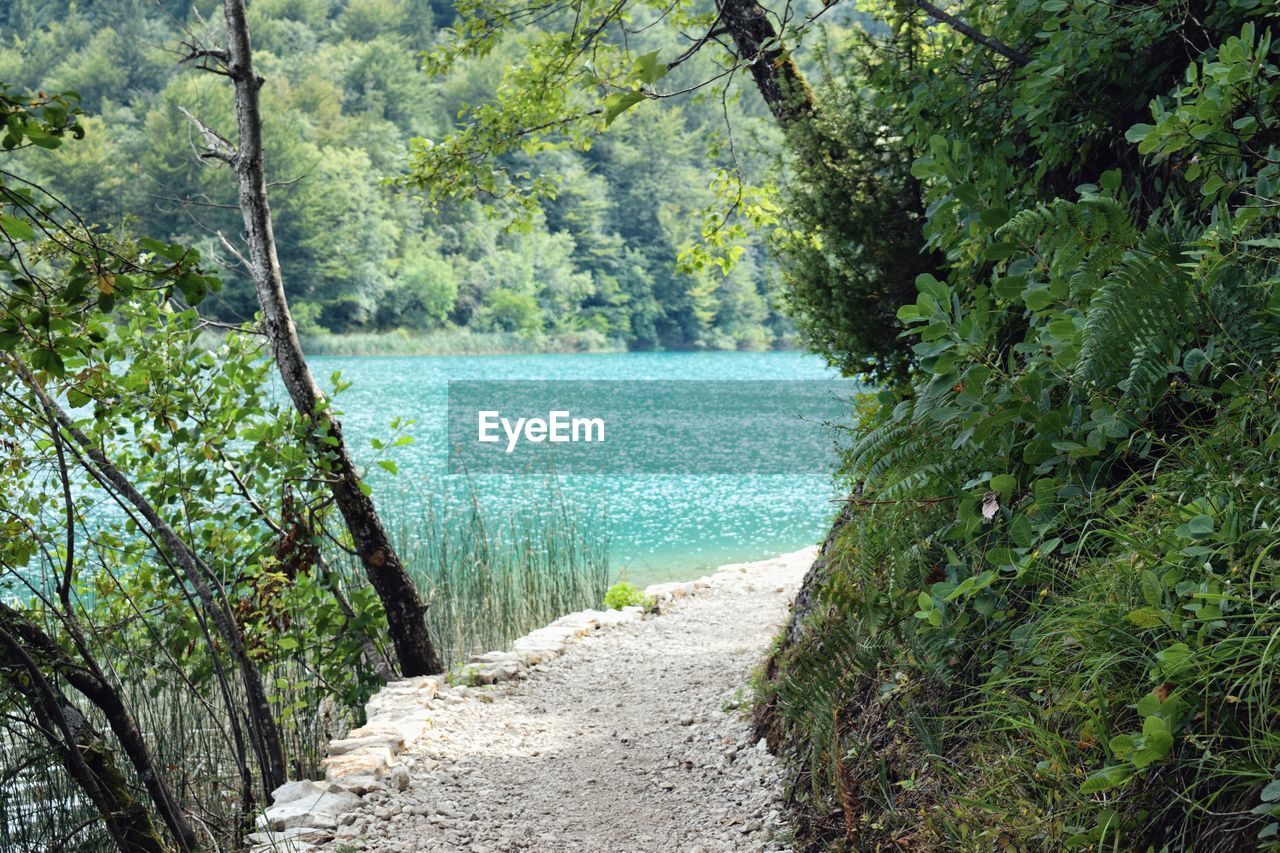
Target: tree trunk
{"x": 82, "y": 751}
{"x": 91, "y": 684}
{"x": 406, "y": 614}
{"x": 776, "y": 74}
{"x": 267, "y": 743}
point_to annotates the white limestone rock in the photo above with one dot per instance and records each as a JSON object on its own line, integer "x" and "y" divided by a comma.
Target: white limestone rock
{"x": 316, "y": 811}
{"x": 369, "y": 761}
{"x": 391, "y": 740}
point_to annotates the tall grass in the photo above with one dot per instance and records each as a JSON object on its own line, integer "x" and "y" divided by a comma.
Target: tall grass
{"x": 491, "y": 576}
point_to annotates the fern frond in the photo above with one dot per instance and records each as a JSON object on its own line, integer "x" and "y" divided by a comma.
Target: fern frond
{"x": 1133, "y": 318}
{"x": 1071, "y": 233}
{"x": 873, "y": 446}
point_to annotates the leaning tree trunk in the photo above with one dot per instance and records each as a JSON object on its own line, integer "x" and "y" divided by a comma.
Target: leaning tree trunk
{"x": 81, "y": 750}
{"x": 90, "y": 682}
{"x": 406, "y": 614}
{"x": 267, "y": 743}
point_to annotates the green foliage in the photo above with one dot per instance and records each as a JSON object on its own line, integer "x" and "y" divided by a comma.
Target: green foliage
{"x": 108, "y": 326}
{"x": 626, "y": 594}
{"x": 1052, "y": 605}
{"x": 851, "y": 228}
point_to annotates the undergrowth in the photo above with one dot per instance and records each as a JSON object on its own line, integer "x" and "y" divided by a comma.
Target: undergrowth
{"x": 1050, "y": 618}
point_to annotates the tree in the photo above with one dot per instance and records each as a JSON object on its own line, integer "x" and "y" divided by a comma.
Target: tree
{"x": 406, "y": 614}
{"x": 853, "y": 219}
{"x": 509, "y": 311}
{"x": 58, "y": 280}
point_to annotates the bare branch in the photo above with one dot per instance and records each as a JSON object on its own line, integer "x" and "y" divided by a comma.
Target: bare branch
{"x": 193, "y": 53}
{"x": 217, "y": 146}
{"x": 235, "y": 253}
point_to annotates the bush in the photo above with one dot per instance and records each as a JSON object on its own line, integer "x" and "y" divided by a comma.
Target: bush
{"x": 625, "y": 594}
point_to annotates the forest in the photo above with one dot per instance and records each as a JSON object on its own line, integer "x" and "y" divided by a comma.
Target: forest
{"x": 1044, "y": 234}
{"x": 596, "y": 266}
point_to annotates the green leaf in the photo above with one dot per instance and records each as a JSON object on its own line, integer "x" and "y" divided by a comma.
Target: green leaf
{"x": 1199, "y": 527}
{"x": 1021, "y": 533}
{"x": 388, "y": 466}
{"x": 994, "y": 217}
{"x": 1138, "y": 132}
{"x": 1174, "y": 658}
{"x": 1010, "y": 287}
{"x": 1004, "y": 484}
{"x": 15, "y": 228}
{"x": 192, "y": 286}
{"x": 1001, "y": 251}
{"x": 1038, "y": 299}
{"x": 1152, "y": 589}
{"x": 48, "y": 360}
{"x": 618, "y": 103}
{"x": 926, "y": 283}
{"x": 1146, "y": 617}
{"x": 1002, "y": 557}
{"x": 909, "y": 313}
{"x": 649, "y": 69}
{"x": 1106, "y": 778}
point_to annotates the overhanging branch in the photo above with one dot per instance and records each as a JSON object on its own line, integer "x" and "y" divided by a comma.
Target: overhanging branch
{"x": 970, "y": 33}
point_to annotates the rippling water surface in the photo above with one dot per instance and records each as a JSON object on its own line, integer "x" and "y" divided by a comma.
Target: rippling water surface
{"x": 660, "y": 526}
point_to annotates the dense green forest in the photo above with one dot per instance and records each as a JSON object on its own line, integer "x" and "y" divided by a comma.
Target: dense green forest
{"x": 594, "y": 266}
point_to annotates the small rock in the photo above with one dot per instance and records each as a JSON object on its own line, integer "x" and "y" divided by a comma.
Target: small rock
{"x": 397, "y": 777}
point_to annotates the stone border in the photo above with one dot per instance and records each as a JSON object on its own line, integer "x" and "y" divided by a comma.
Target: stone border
{"x": 304, "y": 813}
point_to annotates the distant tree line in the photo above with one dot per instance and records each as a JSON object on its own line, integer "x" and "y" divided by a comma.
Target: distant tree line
{"x": 594, "y": 264}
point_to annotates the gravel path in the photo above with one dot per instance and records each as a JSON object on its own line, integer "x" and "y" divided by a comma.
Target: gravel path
{"x": 633, "y": 740}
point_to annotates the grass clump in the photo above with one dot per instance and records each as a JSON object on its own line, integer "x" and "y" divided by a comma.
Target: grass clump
{"x": 492, "y": 576}
{"x": 626, "y": 594}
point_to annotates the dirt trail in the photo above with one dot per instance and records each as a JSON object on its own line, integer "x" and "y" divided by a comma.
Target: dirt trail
{"x": 633, "y": 740}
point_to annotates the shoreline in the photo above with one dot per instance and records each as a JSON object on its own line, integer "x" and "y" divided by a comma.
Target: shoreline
{"x": 499, "y": 353}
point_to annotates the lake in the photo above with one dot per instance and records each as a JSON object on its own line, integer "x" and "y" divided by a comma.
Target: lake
{"x": 660, "y": 526}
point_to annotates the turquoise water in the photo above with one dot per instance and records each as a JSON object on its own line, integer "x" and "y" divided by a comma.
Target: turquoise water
{"x": 660, "y": 526}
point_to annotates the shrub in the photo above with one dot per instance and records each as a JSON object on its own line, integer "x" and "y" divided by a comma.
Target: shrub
{"x": 625, "y": 594}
